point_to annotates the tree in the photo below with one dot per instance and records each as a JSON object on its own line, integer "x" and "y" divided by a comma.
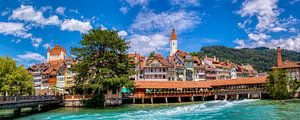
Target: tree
{"x": 280, "y": 86}
{"x": 102, "y": 63}
{"x": 152, "y": 54}
{"x": 194, "y": 54}
{"x": 14, "y": 80}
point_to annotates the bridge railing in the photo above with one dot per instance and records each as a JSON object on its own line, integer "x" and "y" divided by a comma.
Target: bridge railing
{"x": 19, "y": 99}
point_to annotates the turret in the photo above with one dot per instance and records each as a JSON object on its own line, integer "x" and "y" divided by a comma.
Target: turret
{"x": 173, "y": 42}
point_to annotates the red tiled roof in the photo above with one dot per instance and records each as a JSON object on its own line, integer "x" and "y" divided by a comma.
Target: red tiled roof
{"x": 161, "y": 59}
{"x": 170, "y": 84}
{"x": 56, "y": 50}
{"x": 238, "y": 81}
{"x": 289, "y": 64}
{"x": 199, "y": 84}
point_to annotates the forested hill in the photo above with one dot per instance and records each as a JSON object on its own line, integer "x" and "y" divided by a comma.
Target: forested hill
{"x": 261, "y": 58}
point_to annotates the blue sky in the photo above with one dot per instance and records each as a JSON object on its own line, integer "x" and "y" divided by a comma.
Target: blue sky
{"x": 28, "y": 27}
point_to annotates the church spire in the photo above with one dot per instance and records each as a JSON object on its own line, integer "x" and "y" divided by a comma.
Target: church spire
{"x": 173, "y": 35}
{"x": 173, "y": 42}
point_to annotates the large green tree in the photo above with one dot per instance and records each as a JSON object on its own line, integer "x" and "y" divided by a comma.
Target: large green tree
{"x": 14, "y": 80}
{"x": 102, "y": 62}
{"x": 280, "y": 86}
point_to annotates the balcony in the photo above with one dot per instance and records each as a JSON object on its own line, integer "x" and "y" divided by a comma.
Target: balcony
{"x": 211, "y": 75}
{"x": 155, "y": 73}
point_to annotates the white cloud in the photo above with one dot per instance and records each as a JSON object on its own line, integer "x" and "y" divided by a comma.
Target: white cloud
{"x": 27, "y": 13}
{"x": 6, "y": 12}
{"x": 290, "y": 43}
{"x": 46, "y": 8}
{"x": 31, "y": 56}
{"x": 258, "y": 37}
{"x": 15, "y": 29}
{"x": 102, "y": 27}
{"x": 36, "y": 42}
{"x": 185, "y": 3}
{"x": 124, "y": 10}
{"x": 150, "y": 21}
{"x": 269, "y": 22}
{"x": 76, "y": 25}
{"x": 16, "y": 41}
{"x": 46, "y": 45}
{"x": 122, "y": 33}
{"x": 133, "y": 3}
{"x": 266, "y": 12}
{"x": 60, "y": 10}
{"x": 145, "y": 44}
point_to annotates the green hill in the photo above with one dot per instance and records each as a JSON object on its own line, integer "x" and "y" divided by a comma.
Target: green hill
{"x": 261, "y": 58}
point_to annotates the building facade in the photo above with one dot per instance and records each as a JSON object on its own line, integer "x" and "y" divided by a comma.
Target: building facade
{"x": 182, "y": 66}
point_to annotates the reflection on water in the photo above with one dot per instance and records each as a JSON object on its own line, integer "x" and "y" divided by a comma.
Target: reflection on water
{"x": 245, "y": 109}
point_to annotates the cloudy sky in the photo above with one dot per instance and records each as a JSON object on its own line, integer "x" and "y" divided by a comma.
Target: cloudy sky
{"x": 28, "y": 27}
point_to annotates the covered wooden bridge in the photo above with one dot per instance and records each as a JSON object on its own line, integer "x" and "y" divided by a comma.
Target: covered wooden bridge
{"x": 190, "y": 91}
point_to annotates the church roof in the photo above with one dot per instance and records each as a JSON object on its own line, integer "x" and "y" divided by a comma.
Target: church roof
{"x": 173, "y": 35}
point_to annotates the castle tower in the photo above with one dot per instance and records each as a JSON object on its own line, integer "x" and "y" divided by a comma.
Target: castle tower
{"x": 56, "y": 53}
{"x": 279, "y": 59}
{"x": 173, "y": 42}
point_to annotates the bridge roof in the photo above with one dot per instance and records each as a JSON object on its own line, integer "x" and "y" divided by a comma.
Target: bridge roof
{"x": 199, "y": 84}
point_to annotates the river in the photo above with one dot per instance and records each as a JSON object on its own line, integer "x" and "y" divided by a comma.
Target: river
{"x": 225, "y": 110}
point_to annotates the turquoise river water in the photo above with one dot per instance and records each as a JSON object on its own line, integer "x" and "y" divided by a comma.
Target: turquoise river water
{"x": 212, "y": 110}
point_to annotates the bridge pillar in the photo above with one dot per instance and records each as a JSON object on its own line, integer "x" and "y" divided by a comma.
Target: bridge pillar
{"x": 17, "y": 111}
{"x": 36, "y": 109}
{"x": 226, "y": 96}
{"x": 203, "y": 98}
{"x": 216, "y": 97}
{"x": 179, "y": 99}
{"x": 237, "y": 96}
{"x": 260, "y": 95}
{"x": 151, "y": 100}
{"x": 133, "y": 100}
{"x": 166, "y": 99}
{"x": 192, "y": 99}
{"x": 143, "y": 100}
{"x": 249, "y": 95}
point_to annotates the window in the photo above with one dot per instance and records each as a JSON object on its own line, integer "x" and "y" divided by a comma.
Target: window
{"x": 114, "y": 91}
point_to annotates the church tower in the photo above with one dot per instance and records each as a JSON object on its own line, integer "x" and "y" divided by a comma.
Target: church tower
{"x": 173, "y": 42}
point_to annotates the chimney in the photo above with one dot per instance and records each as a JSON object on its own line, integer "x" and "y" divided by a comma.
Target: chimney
{"x": 279, "y": 59}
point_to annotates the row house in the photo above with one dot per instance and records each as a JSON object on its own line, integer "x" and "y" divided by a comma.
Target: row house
{"x": 181, "y": 66}
{"x": 37, "y": 71}
{"x": 156, "y": 68}
{"x": 55, "y": 73}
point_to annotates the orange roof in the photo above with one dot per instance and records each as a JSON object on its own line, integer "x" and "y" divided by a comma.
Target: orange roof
{"x": 170, "y": 84}
{"x": 56, "y": 50}
{"x": 161, "y": 59}
{"x": 173, "y": 35}
{"x": 199, "y": 84}
{"x": 288, "y": 64}
{"x": 239, "y": 81}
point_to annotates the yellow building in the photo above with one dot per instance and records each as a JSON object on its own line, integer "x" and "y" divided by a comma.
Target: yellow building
{"x": 69, "y": 75}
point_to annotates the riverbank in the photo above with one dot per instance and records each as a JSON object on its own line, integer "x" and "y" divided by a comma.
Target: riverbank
{"x": 220, "y": 109}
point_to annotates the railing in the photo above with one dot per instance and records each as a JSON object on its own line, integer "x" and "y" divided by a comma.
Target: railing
{"x": 21, "y": 99}
{"x": 203, "y": 92}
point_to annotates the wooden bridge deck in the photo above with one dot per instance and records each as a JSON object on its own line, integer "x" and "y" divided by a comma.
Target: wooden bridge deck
{"x": 16, "y": 102}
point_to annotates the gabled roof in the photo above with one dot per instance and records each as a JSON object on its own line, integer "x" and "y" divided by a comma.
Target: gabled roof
{"x": 160, "y": 59}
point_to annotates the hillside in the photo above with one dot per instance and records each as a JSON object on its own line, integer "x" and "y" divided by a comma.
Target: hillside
{"x": 261, "y": 58}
